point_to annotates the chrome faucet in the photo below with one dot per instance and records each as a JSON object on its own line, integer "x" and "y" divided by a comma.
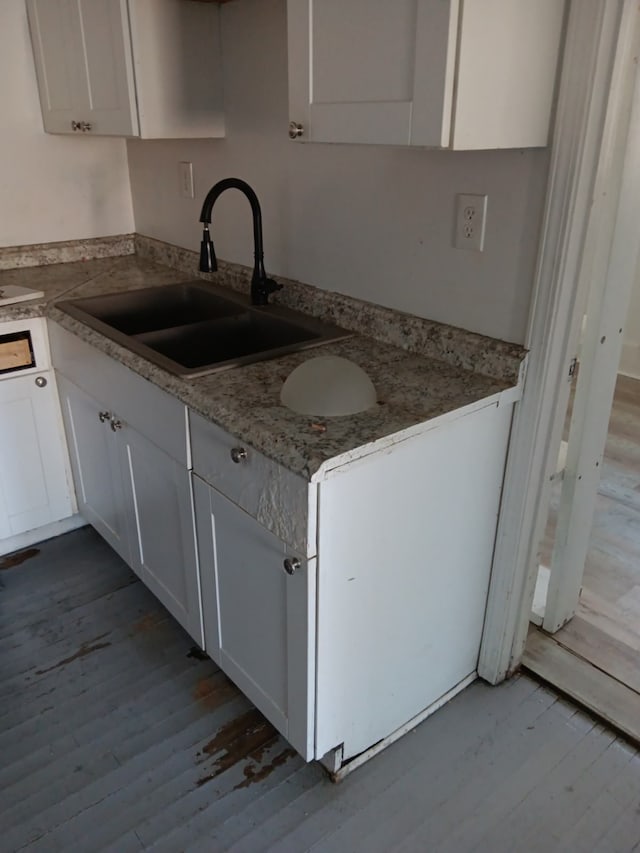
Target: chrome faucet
{"x": 261, "y": 286}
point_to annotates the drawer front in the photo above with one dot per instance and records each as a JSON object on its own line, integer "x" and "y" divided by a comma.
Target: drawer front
{"x": 127, "y": 396}
{"x": 274, "y": 496}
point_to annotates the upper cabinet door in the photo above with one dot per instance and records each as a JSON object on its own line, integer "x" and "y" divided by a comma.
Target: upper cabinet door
{"x": 107, "y": 66}
{"x": 82, "y": 51}
{"x": 359, "y": 69}
{"x": 54, "y": 33}
{"x": 438, "y": 73}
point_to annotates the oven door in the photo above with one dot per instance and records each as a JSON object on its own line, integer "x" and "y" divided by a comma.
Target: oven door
{"x": 23, "y": 347}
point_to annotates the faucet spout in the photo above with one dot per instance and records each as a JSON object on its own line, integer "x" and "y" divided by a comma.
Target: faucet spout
{"x": 261, "y": 285}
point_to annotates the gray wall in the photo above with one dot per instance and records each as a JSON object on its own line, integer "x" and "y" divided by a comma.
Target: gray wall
{"x": 369, "y": 221}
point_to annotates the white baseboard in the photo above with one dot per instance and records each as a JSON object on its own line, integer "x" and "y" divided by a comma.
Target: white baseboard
{"x": 39, "y": 534}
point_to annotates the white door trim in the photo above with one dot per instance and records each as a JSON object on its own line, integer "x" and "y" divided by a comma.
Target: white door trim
{"x": 586, "y": 86}
{"x": 611, "y": 253}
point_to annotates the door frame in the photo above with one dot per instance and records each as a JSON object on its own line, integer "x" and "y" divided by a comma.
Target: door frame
{"x": 596, "y": 89}
{"x": 612, "y": 251}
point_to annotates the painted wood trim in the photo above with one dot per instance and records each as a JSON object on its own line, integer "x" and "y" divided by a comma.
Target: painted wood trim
{"x": 610, "y": 276}
{"x": 553, "y": 331}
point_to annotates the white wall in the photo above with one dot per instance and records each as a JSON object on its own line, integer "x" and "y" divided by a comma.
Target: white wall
{"x": 51, "y": 187}
{"x": 369, "y": 221}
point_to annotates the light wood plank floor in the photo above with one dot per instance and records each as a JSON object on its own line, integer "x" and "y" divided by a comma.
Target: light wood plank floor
{"x": 606, "y": 628}
{"x": 115, "y": 736}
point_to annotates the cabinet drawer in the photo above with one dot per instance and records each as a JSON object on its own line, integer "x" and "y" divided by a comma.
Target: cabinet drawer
{"x": 127, "y": 396}
{"x": 277, "y": 498}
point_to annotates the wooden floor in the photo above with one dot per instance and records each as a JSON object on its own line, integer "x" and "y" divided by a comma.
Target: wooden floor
{"x": 115, "y": 735}
{"x": 606, "y": 628}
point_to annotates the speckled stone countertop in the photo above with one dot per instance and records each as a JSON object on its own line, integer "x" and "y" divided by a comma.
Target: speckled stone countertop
{"x": 412, "y": 387}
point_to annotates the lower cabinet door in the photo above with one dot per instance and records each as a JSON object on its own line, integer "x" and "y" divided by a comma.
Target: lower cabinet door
{"x": 96, "y": 461}
{"x": 33, "y": 477}
{"x": 164, "y": 549}
{"x": 259, "y": 620}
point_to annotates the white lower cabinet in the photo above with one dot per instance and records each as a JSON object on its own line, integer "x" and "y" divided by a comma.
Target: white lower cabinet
{"x": 138, "y": 498}
{"x": 129, "y": 455}
{"x": 96, "y": 463}
{"x": 259, "y": 613}
{"x": 163, "y": 551}
{"x": 33, "y": 476}
{"x": 381, "y": 618}
{"x": 346, "y": 607}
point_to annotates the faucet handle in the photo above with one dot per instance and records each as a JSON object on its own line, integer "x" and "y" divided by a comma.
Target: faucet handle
{"x": 261, "y": 287}
{"x": 271, "y": 286}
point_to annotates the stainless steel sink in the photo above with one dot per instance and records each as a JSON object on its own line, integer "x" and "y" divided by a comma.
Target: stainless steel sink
{"x": 196, "y": 328}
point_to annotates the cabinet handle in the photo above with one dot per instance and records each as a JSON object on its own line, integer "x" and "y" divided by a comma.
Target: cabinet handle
{"x": 41, "y": 382}
{"x": 115, "y": 424}
{"x": 295, "y": 130}
{"x": 238, "y": 454}
{"x": 104, "y": 416}
{"x": 84, "y": 126}
{"x": 291, "y": 565}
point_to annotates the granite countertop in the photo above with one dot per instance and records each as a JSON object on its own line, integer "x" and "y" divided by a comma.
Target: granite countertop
{"x": 412, "y": 388}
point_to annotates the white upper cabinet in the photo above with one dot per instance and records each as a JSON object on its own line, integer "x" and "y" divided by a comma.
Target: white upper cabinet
{"x": 460, "y": 74}
{"x": 148, "y": 68}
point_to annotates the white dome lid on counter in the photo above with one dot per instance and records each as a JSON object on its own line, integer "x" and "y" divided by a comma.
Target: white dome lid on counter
{"x": 328, "y": 386}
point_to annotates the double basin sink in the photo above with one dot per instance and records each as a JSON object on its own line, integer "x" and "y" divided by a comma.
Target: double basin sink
{"x": 195, "y": 328}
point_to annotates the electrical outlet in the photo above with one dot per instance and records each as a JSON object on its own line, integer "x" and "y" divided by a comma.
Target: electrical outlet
{"x": 186, "y": 180}
{"x": 471, "y": 215}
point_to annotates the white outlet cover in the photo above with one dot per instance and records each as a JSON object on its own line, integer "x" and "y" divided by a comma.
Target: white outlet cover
{"x": 471, "y": 219}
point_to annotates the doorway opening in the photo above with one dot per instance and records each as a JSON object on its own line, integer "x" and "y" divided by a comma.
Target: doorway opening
{"x": 595, "y": 655}
{"x": 587, "y": 600}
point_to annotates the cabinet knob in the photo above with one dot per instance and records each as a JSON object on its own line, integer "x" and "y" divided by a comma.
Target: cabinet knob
{"x": 41, "y": 382}
{"x": 238, "y": 454}
{"x": 84, "y": 126}
{"x": 115, "y": 424}
{"x": 291, "y": 565}
{"x": 295, "y": 130}
{"x": 104, "y": 416}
